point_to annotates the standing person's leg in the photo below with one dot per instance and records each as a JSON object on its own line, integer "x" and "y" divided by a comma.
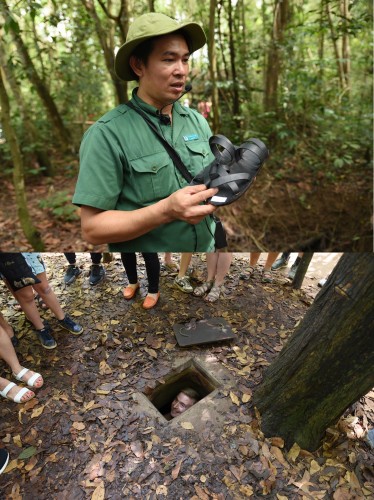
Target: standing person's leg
{"x": 20, "y": 279}
{"x": 211, "y": 261}
{"x": 182, "y": 281}
{"x": 222, "y": 268}
{"x": 8, "y": 389}
{"x": 48, "y": 296}
{"x": 73, "y": 270}
{"x": 169, "y": 263}
{"x": 97, "y": 271}
{"x": 295, "y": 265}
{"x": 152, "y": 265}
{"x": 281, "y": 262}
{"x": 9, "y": 330}
{"x": 253, "y": 259}
{"x": 8, "y": 354}
{"x": 129, "y": 263}
{"x": 266, "y": 274}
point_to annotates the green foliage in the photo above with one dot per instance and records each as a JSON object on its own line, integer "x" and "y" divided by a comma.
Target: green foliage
{"x": 60, "y": 204}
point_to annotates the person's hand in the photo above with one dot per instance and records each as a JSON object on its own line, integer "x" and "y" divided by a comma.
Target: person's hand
{"x": 186, "y": 204}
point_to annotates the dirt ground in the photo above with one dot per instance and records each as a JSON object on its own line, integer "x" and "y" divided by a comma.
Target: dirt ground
{"x": 84, "y": 436}
{"x": 278, "y": 213}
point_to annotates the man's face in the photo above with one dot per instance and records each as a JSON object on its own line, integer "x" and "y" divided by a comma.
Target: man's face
{"x": 180, "y": 404}
{"x": 163, "y": 78}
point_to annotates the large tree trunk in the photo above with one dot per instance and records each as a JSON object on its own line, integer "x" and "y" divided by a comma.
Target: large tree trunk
{"x": 328, "y": 362}
{"x": 30, "y": 231}
{"x": 213, "y": 66}
{"x": 62, "y": 132}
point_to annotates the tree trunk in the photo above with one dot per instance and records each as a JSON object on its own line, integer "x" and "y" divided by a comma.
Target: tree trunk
{"x": 41, "y": 156}
{"x": 346, "y": 53}
{"x": 274, "y": 59}
{"x": 235, "y": 86}
{"x": 121, "y": 94}
{"x": 30, "y": 231}
{"x": 334, "y": 40}
{"x": 328, "y": 362}
{"x": 213, "y": 67}
{"x": 62, "y": 132}
{"x": 301, "y": 270}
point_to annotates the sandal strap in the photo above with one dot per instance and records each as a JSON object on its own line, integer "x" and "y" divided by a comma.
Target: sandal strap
{"x": 214, "y": 293}
{"x": 20, "y": 394}
{"x": 7, "y": 388}
{"x": 205, "y": 287}
{"x": 31, "y": 380}
{"x": 19, "y": 375}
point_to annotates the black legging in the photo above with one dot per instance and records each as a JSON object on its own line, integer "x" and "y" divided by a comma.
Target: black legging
{"x": 152, "y": 266}
{"x": 95, "y": 257}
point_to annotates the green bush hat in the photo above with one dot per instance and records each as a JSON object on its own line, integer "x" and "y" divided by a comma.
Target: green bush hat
{"x": 148, "y": 26}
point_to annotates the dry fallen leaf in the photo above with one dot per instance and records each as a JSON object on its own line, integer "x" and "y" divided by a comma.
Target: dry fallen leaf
{"x": 99, "y": 492}
{"x": 175, "y": 471}
{"x": 79, "y": 426}
{"x": 246, "y": 398}
{"x": 187, "y": 425}
{"x": 37, "y": 412}
{"x": 234, "y": 398}
{"x": 161, "y": 490}
{"x": 294, "y": 452}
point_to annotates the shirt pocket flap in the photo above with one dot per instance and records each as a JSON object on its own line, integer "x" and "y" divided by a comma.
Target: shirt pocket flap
{"x": 199, "y": 147}
{"x": 151, "y": 164}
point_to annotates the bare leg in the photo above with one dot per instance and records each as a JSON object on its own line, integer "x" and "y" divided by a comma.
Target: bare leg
{"x": 271, "y": 258}
{"x": 45, "y": 291}
{"x": 6, "y": 326}
{"x": 254, "y": 258}
{"x": 184, "y": 263}
{"x": 25, "y": 297}
{"x": 223, "y": 266}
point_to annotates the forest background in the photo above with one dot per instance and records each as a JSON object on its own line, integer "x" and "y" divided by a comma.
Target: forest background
{"x": 296, "y": 74}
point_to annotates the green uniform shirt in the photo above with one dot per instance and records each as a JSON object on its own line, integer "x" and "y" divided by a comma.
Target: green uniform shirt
{"x": 123, "y": 166}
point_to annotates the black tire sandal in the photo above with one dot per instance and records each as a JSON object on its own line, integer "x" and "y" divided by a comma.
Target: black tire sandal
{"x": 233, "y": 169}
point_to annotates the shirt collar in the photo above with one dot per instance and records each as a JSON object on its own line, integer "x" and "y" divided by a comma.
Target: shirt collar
{"x": 177, "y": 107}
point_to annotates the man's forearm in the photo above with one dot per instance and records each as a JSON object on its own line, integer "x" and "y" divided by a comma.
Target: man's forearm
{"x": 114, "y": 226}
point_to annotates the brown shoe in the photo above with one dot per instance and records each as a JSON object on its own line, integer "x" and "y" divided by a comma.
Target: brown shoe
{"x": 130, "y": 291}
{"x": 150, "y": 302}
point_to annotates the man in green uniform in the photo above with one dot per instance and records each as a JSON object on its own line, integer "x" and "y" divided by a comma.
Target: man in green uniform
{"x": 131, "y": 194}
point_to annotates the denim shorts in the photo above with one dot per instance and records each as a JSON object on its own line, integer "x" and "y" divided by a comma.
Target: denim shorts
{"x": 35, "y": 261}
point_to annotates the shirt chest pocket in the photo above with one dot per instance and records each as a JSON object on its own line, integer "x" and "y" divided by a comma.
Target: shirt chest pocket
{"x": 200, "y": 155}
{"x": 152, "y": 178}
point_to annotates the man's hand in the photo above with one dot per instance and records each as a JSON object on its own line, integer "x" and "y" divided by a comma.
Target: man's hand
{"x": 186, "y": 204}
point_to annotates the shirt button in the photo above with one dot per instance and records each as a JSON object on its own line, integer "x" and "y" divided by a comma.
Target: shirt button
{"x": 154, "y": 169}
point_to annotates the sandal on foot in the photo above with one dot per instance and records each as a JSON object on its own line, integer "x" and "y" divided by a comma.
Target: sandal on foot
{"x": 172, "y": 267}
{"x": 202, "y": 289}
{"x": 130, "y": 291}
{"x": 31, "y": 381}
{"x": 246, "y": 276}
{"x": 267, "y": 277}
{"x": 214, "y": 294}
{"x": 20, "y": 394}
{"x": 233, "y": 169}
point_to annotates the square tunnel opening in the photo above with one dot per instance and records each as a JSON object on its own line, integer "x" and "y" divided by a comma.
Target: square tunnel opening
{"x": 192, "y": 375}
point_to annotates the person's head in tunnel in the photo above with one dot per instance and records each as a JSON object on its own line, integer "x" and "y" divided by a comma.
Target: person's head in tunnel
{"x": 183, "y": 401}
